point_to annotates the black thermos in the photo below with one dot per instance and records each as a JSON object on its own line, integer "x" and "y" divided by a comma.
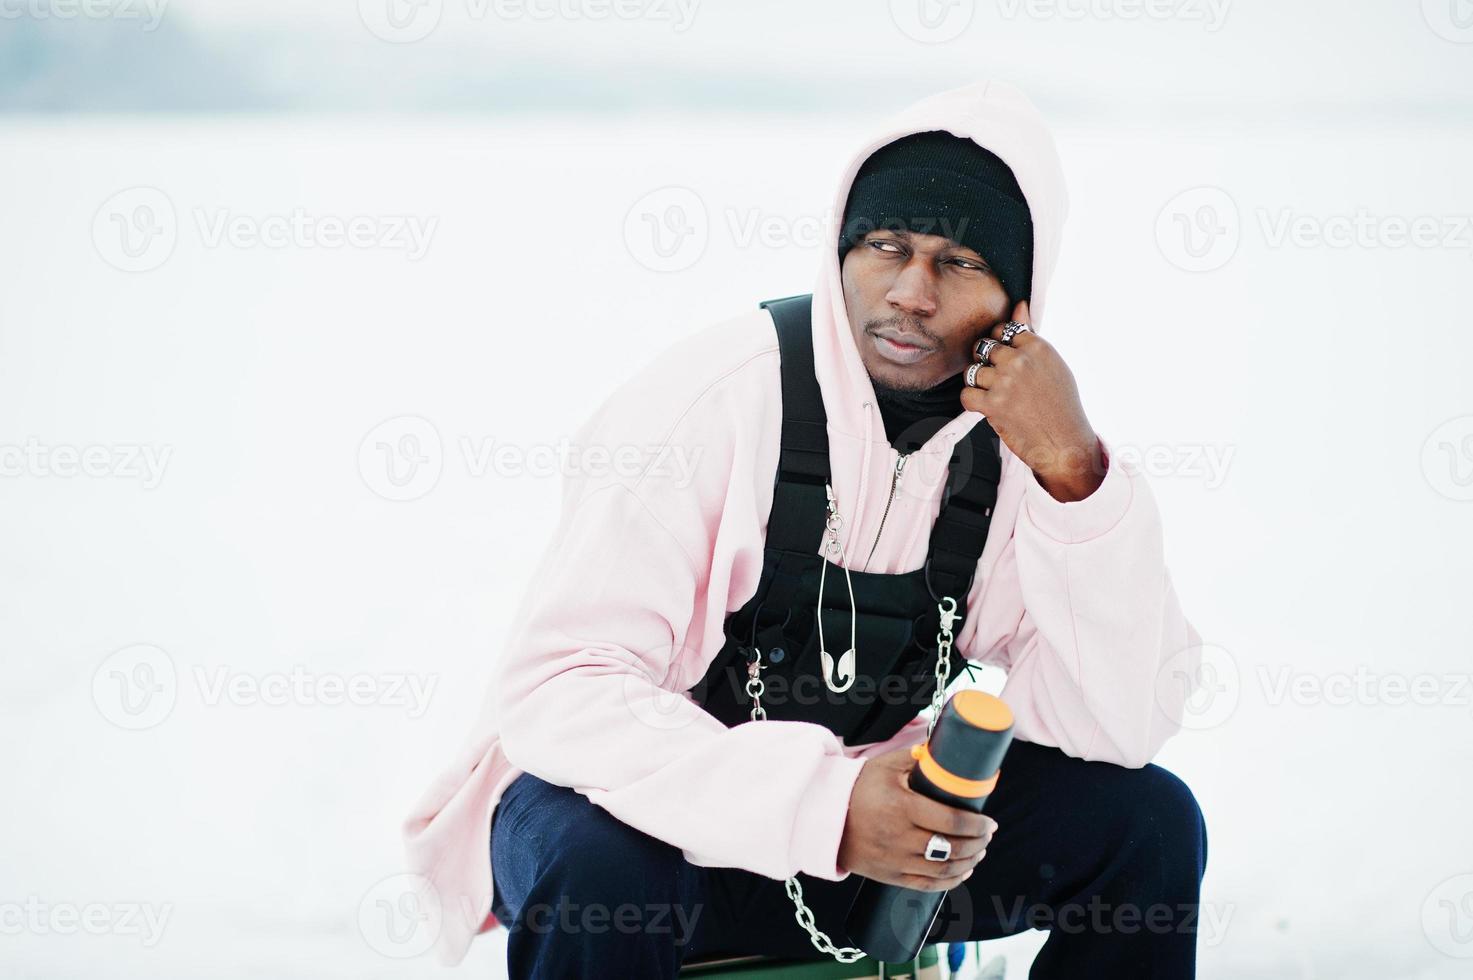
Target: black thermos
{"x": 957, "y": 766}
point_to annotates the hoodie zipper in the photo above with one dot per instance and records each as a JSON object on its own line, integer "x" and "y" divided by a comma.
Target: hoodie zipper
{"x": 894, "y": 482}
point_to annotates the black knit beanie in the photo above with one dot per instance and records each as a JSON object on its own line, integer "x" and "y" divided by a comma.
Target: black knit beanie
{"x": 939, "y": 184}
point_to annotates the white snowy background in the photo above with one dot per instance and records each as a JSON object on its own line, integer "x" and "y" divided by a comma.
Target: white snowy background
{"x": 1264, "y": 293}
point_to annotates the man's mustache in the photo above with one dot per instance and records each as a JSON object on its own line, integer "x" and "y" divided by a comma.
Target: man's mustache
{"x": 908, "y": 325}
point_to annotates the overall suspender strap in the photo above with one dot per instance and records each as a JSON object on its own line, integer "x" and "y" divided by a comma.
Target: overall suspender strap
{"x": 799, "y": 502}
{"x": 960, "y": 531}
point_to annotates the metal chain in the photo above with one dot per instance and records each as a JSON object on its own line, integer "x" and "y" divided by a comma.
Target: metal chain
{"x": 804, "y": 915}
{"x": 755, "y": 689}
{"x": 947, "y": 608}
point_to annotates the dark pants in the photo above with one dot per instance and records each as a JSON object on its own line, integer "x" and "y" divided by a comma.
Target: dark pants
{"x": 1108, "y": 859}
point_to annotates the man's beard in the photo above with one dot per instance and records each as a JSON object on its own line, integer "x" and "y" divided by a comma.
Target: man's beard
{"x": 906, "y": 386}
{"x": 911, "y": 327}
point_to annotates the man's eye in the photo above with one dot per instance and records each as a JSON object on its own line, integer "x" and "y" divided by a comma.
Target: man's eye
{"x": 969, "y": 264}
{"x": 882, "y": 244}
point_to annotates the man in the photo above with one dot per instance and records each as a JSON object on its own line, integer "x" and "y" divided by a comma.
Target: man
{"x": 647, "y": 784}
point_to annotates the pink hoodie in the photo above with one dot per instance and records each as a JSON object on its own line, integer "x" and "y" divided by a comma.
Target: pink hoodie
{"x": 626, "y": 608}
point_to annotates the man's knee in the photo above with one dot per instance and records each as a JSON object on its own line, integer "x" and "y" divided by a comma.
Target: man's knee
{"x": 599, "y": 875}
{"x": 1164, "y": 811}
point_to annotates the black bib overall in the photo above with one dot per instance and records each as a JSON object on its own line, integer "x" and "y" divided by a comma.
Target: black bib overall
{"x": 897, "y": 615}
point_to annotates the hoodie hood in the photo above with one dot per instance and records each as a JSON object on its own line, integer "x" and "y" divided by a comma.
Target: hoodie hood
{"x": 998, "y": 117}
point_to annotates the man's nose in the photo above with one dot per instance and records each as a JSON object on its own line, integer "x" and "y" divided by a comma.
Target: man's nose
{"x": 914, "y": 289}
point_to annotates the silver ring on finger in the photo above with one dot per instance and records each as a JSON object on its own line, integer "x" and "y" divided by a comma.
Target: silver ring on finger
{"x": 985, "y": 347}
{"x": 972, "y": 375}
{"x": 938, "y": 848}
{"x": 1013, "y": 329}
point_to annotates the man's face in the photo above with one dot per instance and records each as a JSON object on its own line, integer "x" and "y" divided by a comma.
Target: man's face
{"x": 917, "y": 304}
